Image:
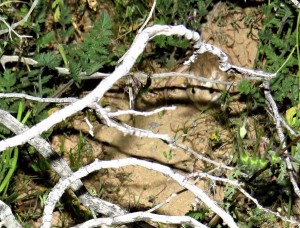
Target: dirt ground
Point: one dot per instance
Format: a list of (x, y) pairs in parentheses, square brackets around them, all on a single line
[(138, 188)]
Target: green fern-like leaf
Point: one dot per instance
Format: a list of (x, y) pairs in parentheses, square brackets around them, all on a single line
[(7, 81), (47, 60), (75, 70), (277, 39), (65, 15), (245, 87), (44, 40), (93, 53), (198, 215), (26, 80), (282, 177), (160, 41), (4, 104)]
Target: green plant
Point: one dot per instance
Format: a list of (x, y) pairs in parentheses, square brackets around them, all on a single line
[(199, 215), (94, 52), (279, 52), (252, 92), (276, 53), (244, 214), (43, 197), (56, 5), (215, 138), (254, 218), (168, 155), (252, 155), (9, 158), (79, 152), (50, 38), (189, 13)]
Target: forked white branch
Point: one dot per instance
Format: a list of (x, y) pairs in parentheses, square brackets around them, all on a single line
[(122, 69), (7, 218), (13, 26), (141, 216), (271, 104), (61, 167), (61, 186), (236, 184)]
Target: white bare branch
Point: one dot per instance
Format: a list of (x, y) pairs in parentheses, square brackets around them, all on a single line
[(200, 157), (236, 184), (249, 73), (61, 186), (166, 201), (137, 113), (10, 29), (149, 17), (122, 69), (126, 129), (296, 3), (13, 26), (14, 58), (61, 167), (225, 66), (38, 99), (278, 123), (7, 218), (141, 216)]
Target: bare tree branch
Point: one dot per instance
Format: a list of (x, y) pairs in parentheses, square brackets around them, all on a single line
[(13, 26), (141, 216), (6, 216), (61, 186), (122, 69), (61, 167)]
